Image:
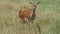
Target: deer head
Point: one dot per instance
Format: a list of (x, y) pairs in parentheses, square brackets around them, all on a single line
[(34, 5)]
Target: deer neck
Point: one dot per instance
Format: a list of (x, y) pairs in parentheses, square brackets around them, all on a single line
[(33, 10)]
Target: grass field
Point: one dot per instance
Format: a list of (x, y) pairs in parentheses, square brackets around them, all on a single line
[(47, 19)]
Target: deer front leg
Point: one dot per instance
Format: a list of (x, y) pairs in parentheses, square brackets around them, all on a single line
[(20, 20)]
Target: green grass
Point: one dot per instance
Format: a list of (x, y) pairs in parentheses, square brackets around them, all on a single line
[(47, 19)]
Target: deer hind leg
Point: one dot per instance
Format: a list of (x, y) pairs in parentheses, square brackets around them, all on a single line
[(26, 19), (20, 20)]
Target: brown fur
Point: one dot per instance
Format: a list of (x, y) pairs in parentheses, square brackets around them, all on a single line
[(25, 13)]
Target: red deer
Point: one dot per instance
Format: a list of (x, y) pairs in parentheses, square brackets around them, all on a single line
[(27, 14)]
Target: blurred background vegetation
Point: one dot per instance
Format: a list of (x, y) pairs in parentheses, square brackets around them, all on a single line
[(47, 19)]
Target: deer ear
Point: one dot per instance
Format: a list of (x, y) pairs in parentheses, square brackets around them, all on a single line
[(30, 2), (37, 3)]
